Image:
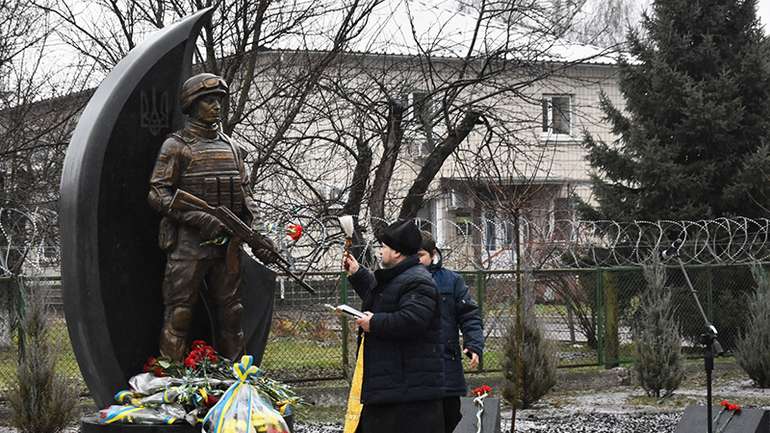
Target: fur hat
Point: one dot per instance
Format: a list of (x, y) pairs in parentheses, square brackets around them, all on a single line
[(402, 236)]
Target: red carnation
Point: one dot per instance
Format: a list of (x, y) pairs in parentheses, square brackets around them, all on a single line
[(294, 231), (192, 360), (211, 400), (150, 364), (724, 403), (483, 389), (200, 351)]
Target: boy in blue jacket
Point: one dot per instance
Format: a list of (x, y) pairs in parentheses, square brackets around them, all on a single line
[(458, 311)]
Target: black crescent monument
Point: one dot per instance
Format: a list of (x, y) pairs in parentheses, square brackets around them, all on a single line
[(112, 267)]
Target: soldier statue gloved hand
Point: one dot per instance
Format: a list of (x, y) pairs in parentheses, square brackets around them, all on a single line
[(210, 227), (267, 256)]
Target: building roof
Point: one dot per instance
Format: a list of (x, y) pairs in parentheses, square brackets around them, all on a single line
[(446, 28)]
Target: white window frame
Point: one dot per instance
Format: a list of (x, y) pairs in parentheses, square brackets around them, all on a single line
[(457, 200), (419, 147), (547, 133), (434, 105), (419, 144)]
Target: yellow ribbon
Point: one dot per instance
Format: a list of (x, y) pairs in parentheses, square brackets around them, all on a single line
[(242, 370), (353, 414), (245, 368), (123, 413), (123, 396)]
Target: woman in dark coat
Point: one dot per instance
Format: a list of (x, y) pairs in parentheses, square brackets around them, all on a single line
[(403, 376)]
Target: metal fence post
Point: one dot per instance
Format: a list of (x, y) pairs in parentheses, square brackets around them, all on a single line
[(344, 325), (480, 294), (709, 293), (611, 312), (6, 312), (599, 294)]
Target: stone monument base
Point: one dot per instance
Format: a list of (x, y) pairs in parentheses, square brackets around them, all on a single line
[(91, 425)]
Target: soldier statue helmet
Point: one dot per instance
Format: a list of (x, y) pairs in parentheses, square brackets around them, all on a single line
[(203, 161), (201, 85)]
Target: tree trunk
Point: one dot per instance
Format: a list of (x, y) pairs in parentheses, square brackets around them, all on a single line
[(414, 199), (356, 198), (391, 146)]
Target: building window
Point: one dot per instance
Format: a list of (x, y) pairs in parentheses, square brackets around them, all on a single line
[(509, 233), (421, 112), (458, 201), (490, 233), (426, 217), (557, 114), (421, 109), (463, 225), (421, 147)]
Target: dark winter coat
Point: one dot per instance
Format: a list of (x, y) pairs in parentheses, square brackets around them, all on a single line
[(402, 350), (458, 310)]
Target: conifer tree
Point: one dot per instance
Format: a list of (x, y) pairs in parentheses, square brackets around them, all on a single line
[(694, 134), (659, 360)]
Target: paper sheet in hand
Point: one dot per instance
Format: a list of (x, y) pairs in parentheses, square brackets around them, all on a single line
[(347, 309)]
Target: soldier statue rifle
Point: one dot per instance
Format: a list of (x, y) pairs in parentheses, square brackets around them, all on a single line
[(185, 201)]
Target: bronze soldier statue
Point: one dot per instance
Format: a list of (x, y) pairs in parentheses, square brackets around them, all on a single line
[(201, 160)]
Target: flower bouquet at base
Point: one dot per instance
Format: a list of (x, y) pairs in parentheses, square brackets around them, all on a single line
[(173, 392), (163, 414), (241, 409)]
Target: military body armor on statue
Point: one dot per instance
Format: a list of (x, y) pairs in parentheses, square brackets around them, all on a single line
[(203, 161)]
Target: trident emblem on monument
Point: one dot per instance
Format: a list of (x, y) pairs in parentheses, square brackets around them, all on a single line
[(154, 111)]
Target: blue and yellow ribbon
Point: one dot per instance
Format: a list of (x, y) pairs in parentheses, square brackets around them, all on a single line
[(119, 414), (242, 370), (123, 396), (245, 368)]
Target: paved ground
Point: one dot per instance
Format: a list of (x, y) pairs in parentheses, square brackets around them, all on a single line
[(582, 423), (585, 401)]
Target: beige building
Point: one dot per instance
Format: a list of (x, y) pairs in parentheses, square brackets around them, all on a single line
[(538, 105)]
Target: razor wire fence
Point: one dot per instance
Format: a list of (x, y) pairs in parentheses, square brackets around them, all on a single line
[(588, 315), (585, 279)]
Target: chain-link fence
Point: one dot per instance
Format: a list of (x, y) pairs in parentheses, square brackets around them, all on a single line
[(588, 315)]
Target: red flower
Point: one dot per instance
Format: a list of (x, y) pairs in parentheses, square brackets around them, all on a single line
[(483, 389), (294, 231), (200, 351), (211, 400), (191, 361), (731, 407), (150, 364)]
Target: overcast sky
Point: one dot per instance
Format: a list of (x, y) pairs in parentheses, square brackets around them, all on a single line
[(57, 52), (764, 14)]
